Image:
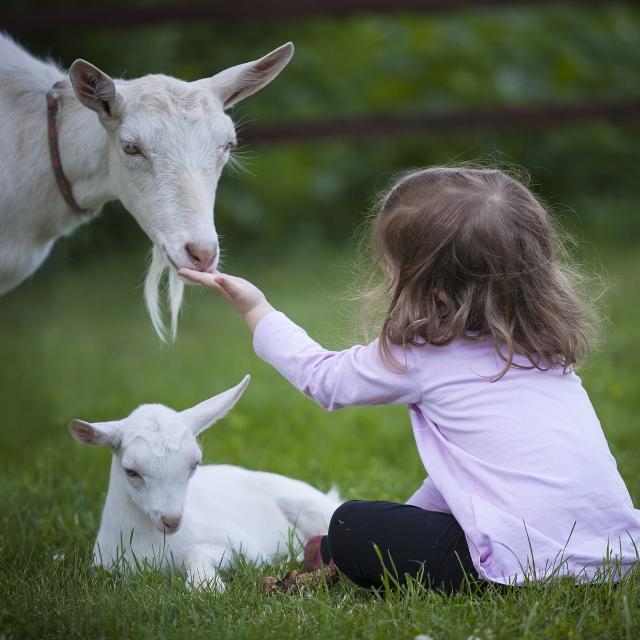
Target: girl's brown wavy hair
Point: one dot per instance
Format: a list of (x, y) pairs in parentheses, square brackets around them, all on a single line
[(471, 253)]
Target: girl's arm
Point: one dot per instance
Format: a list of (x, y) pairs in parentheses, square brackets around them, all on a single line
[(334, 379)]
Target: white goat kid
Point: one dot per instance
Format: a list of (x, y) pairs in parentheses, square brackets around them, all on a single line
[(156, 143), (164, 508)]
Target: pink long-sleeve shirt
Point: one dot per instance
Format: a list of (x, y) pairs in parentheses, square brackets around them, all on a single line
[(522, 462)]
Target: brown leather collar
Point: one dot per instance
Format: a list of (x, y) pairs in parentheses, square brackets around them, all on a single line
[(53, 104)]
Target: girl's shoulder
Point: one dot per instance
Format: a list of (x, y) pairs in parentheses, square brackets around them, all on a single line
[(474, 354), (460, 347)]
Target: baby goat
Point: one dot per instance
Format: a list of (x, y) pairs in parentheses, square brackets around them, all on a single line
[(164, 508)]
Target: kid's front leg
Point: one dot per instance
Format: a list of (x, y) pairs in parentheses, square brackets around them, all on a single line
[(202, 563)]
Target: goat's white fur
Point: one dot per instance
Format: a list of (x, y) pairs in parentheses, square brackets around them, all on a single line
[(181, 127), (222, 509), (158, 267)]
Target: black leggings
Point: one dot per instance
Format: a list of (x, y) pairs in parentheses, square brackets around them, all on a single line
[(412, 541)]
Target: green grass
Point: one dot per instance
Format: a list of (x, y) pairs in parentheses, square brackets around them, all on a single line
[(75, 342)]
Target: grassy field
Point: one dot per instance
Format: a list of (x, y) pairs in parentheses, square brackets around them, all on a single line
[(75, 342)]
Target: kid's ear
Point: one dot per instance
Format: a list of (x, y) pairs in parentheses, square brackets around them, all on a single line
[(203, 415), (107, 434), (95, 89), (236, 83)]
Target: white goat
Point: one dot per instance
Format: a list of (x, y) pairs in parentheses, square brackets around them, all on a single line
[(156, 143), (150, 515)]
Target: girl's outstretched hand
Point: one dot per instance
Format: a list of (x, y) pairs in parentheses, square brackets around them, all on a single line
[(243, 296)]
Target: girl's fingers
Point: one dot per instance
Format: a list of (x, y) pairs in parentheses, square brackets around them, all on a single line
[(225, 283), (219, 283), (219, 290), (207, 279), (231, 285)]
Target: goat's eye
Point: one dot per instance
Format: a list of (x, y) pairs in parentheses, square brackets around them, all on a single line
[(131, 149), (194, 466), (132, 473)]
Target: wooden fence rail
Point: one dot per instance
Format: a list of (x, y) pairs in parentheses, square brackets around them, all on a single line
[(544, 115), (120, 15)]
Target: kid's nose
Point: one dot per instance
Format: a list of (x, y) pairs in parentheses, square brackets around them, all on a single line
[(201, 256), (171, 523)]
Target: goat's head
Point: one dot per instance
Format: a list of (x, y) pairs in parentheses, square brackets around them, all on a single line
[(168, 141), (156, 452)]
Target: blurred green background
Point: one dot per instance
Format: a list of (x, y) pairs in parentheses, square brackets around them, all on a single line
[(75, 340), (314, 192)]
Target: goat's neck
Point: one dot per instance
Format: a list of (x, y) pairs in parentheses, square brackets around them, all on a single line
[(84, 153)]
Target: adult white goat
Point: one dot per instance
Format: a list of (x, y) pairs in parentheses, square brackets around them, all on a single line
[(156, 143), (149, 514)]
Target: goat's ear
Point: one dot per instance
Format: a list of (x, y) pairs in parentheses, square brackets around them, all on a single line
[(94, 88), (236, 83), (108, 434), (203, 415)]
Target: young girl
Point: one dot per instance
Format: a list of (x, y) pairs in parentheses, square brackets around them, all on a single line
[(480, 339)]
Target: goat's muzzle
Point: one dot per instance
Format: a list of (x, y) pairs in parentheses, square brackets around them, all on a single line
[(203, 257), (171, 523)]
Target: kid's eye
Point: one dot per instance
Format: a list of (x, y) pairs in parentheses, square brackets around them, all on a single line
[(132, 473), (131, 149)]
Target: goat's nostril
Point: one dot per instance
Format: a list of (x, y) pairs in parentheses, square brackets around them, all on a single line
[(202, 257), (171, 523)]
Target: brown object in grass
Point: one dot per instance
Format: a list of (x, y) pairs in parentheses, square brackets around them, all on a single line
[(293, 580)]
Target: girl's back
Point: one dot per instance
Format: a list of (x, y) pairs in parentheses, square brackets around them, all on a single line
[(521, 461)]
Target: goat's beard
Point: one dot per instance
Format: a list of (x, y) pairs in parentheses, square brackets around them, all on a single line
[(152, 294)]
